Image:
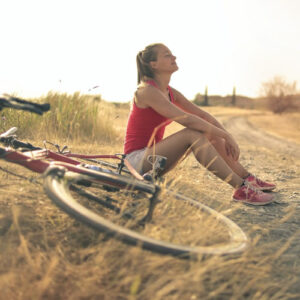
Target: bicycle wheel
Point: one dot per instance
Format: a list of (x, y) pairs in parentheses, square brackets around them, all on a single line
[(177, 227)]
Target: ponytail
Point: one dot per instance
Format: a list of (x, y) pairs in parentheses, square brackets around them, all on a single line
[(143, 60)]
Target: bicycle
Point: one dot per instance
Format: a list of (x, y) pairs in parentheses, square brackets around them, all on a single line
[(61, 174), (120, 210)]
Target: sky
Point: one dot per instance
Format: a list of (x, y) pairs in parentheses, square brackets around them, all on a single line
[(72, 45)]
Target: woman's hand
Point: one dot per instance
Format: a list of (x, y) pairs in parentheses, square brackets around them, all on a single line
[(232, 148)]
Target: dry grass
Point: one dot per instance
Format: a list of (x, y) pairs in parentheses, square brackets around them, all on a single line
[(285, 126), (71, 118), (47, 255)]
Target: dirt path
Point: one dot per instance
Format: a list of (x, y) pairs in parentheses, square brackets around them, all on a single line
[(245, 131), (279, 161)]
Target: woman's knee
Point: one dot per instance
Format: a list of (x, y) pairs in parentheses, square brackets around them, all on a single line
[(194, 136), (217, 141)]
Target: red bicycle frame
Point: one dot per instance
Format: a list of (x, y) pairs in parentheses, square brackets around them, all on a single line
[(39, 160)]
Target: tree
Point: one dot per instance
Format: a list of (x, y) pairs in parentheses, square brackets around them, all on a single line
[(279, 94), (233, 99), (205, 102)]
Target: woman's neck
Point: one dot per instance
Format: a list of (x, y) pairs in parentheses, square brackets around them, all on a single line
[(162, 82)]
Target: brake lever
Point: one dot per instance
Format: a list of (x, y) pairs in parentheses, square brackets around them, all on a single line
[(62, 151)]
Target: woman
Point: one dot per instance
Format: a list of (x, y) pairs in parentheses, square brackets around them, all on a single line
[(154, 106)]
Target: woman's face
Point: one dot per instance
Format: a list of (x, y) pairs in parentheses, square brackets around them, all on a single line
[(165, 62)]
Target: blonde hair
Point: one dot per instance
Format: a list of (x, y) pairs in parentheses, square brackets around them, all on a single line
[(143, 60)]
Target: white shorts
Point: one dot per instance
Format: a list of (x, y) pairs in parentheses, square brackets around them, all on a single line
[(136, 159)]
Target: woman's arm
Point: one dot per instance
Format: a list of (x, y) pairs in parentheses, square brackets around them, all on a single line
[(190, 107), (150, 96)]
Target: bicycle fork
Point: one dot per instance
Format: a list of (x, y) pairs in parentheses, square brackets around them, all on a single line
[(152, 203)]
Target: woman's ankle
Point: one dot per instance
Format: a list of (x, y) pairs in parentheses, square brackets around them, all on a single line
[(237, 183), (246, 176)]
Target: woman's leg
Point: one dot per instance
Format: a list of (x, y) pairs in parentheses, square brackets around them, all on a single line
[(219, 144), (177, 145)]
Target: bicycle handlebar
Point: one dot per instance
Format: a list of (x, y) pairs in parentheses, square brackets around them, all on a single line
[(9, 139), (18, 144), (7, 101), (12, 142)]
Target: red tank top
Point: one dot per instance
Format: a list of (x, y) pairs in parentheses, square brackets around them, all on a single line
[(141, 124)]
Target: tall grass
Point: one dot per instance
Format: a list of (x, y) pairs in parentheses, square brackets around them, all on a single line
[(71, 117)]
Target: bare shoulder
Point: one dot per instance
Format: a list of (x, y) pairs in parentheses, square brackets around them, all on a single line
[(145, 94), (143, 90)]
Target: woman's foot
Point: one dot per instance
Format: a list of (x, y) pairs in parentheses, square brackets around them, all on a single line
[(259, 184), (250, 195)]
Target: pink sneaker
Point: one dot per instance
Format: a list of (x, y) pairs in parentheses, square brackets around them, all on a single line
[(259, 184), (250, 195)]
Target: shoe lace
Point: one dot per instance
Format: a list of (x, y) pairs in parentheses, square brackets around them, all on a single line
[(259, 181), (251, 188)]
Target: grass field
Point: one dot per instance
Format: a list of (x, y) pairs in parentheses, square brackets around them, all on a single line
[(47, 255)]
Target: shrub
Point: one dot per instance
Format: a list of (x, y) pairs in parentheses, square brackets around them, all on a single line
[(280, 94), (72, 117)]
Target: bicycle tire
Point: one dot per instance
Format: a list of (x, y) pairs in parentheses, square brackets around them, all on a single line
[(57, 183)]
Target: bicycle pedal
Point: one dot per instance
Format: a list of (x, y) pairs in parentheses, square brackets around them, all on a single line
[(148, 177)]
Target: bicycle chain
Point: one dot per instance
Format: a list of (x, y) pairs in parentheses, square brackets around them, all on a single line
[(32, 180)]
